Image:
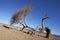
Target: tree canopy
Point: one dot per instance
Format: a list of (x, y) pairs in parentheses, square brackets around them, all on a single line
[(20, 14)]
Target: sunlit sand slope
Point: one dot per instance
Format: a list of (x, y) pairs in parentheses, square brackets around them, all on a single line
[(13, 33)]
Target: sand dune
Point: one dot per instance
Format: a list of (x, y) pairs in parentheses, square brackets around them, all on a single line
[(13, 33)]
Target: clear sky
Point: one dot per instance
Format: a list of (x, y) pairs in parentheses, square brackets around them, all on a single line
[(51, 7)]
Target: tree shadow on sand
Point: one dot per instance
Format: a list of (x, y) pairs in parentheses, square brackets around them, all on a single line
[(6, 26)]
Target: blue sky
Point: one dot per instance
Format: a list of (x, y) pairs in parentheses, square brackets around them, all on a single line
[(51, 7)]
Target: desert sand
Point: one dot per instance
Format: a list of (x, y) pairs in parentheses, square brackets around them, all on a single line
[(14, 33)]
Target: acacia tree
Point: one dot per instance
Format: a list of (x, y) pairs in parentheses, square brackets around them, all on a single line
[(20, 15)]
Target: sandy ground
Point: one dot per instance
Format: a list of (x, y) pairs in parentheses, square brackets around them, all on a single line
[(14, 34)]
